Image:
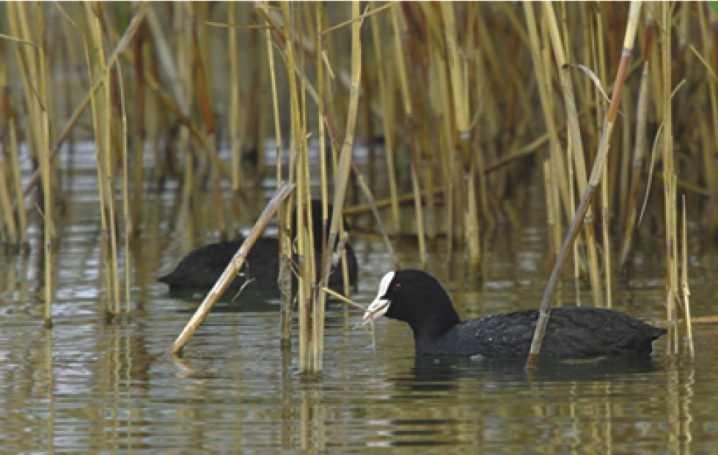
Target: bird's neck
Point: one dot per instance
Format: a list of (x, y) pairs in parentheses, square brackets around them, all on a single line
[(431, 328)]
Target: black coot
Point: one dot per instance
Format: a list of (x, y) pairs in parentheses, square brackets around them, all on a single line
[(418, 299), (200, 268)]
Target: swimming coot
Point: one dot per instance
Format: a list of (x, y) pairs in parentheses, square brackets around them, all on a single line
[(418, 299), (200, 269)]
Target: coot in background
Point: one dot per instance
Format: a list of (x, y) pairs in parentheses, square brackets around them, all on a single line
[(417, 298), (200, 268)]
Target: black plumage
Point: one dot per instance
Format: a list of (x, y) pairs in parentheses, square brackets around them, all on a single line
[(418, 299), (200, 268)]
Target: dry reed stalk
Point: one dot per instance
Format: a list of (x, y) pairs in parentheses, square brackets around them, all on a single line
[(6, 206), (235, 139), (17, 182), (405, 198), (399, 59), (77, 113), (6, 178), (553, 172), (458, 71), (685, 288), (669, 190), (201, 77), (297, 147), (476, 44), (102, 123), (125, 188), (341, 177), (638, 152), (183, 87), (576, 146), (710, 133), (140, 132), (596, 173), (34, 72), (377, 218), (607, 179), (387, 102), (447, 140), (319, 301), (284, 278), (232, 269)]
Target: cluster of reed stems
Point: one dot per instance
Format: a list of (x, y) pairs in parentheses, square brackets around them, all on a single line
[(472, 100)]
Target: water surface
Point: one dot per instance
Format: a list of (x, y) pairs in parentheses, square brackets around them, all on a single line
[(88, 386)]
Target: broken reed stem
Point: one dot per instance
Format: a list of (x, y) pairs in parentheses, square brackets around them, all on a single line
[(345, 299), (596, 173), (232, 269)]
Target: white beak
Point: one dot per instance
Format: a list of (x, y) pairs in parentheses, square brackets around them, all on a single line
[(380, 305), (376, 310)]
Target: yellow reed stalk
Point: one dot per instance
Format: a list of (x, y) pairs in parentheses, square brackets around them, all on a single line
[(685, 288), (669, 191), (319, 302), (5, 205), (234, 102), (74, 118), (607, 179), (639, 152), (387, 101), (17, 182), (409, 112), (125, 189), (284, 278), (399, 59), (31, 58), (102, 106), (557, 167), (297, 156), (5, 168), (341, 177), (711, 174), (460, 95), (575, 141)]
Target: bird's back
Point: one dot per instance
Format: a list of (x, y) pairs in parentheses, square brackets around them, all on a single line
[(572, 333)]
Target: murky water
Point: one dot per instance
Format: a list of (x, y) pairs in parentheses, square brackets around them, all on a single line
[(86, 386)]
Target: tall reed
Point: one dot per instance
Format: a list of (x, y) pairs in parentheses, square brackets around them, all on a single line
[(30, 52)]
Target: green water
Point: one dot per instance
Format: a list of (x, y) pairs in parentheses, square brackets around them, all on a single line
[(86, 386)]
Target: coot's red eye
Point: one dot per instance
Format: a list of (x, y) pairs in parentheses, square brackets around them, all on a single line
[(397, 285)]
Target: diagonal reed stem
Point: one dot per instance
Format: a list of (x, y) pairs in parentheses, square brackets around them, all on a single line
[(596, 173)]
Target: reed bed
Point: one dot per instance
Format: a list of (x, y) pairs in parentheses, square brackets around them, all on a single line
[(476, 105)]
